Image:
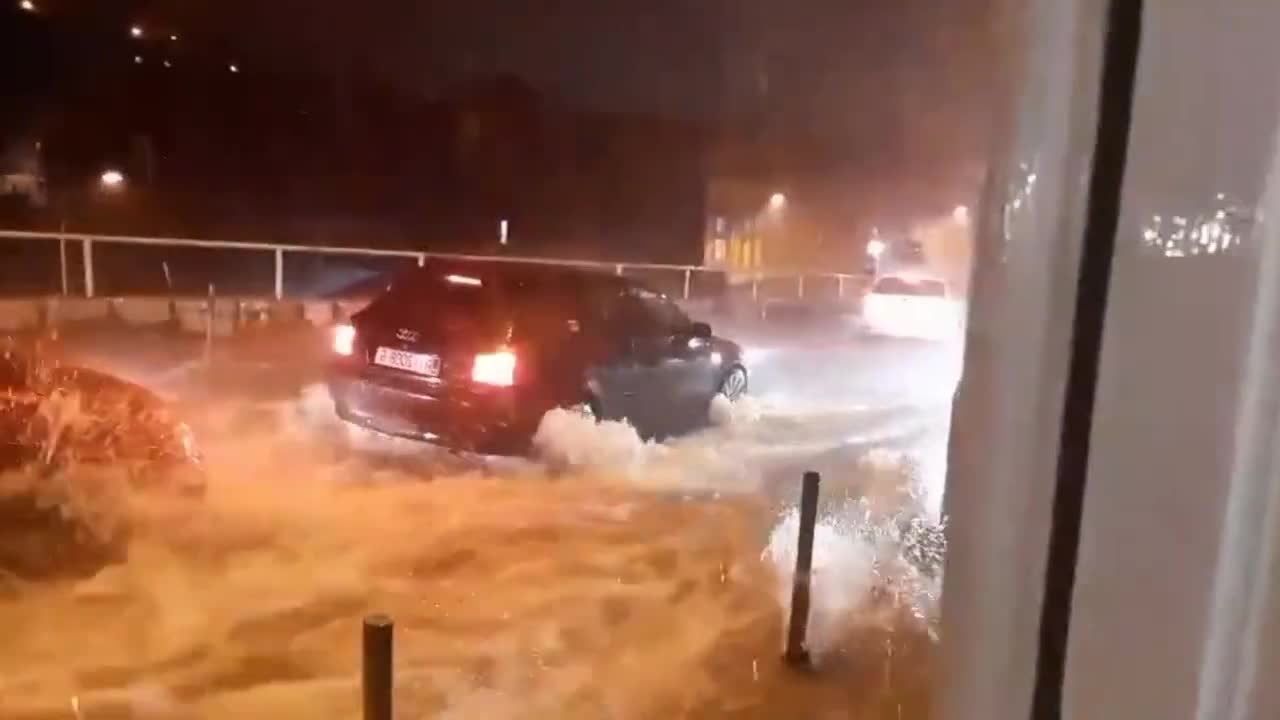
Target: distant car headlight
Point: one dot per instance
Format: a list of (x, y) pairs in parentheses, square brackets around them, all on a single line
[(907, 316), (344, 340)]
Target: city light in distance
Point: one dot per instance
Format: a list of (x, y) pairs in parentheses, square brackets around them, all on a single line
[(135, 31), (233, 68), (777, 201), (464, 280), (27, 6)]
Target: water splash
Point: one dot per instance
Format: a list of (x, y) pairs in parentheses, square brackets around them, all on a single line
[(570, 439), (874, 557)]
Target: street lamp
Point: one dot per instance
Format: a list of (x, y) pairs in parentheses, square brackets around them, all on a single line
[(777, 201), (875, 249), (111, 180)]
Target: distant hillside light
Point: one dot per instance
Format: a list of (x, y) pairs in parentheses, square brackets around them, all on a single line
[(233, 68), (135, 31), (111, 179), (27, 6)]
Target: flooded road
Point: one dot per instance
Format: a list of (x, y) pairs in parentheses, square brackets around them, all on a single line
[(624, 580)]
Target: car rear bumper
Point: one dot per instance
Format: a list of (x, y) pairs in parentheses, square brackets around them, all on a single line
[(492, 421)]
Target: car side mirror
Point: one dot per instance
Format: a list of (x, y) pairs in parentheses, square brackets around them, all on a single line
[(700, 330)]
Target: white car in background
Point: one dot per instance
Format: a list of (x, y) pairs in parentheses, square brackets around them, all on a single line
[(912, 307)]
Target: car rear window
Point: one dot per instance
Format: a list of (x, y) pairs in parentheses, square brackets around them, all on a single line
[(904, 286), (484, 291), (442, 287)]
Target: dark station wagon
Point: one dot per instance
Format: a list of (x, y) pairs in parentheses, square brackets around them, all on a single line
[(471, 355)]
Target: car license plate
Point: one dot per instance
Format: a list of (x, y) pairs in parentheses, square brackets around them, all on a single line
[(403, 360)]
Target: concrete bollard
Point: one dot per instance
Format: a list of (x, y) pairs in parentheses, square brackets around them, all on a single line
[(797, 652), (376, 667)]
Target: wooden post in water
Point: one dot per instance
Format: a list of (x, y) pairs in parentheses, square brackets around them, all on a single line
[(376, 667)]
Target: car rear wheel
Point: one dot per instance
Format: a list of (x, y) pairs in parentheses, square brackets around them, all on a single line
[(734, 384)]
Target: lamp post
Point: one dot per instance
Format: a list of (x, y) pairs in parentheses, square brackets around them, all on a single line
[(777, 203), (875, 249)]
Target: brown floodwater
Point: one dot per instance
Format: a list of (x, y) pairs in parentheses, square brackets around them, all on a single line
[(622, 584)]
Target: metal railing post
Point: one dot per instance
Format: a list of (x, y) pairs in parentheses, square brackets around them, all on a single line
[(279, 273), (278, 252), (86, 251), (62, 257), (211, 309)]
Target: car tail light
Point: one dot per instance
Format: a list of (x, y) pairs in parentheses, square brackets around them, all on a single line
[(344, 339), (497, 368)]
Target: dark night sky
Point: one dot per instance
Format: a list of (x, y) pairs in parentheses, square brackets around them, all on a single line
[(812, 66), (880, 87)]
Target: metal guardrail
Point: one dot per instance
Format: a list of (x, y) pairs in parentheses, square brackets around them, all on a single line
[(88, 240)]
